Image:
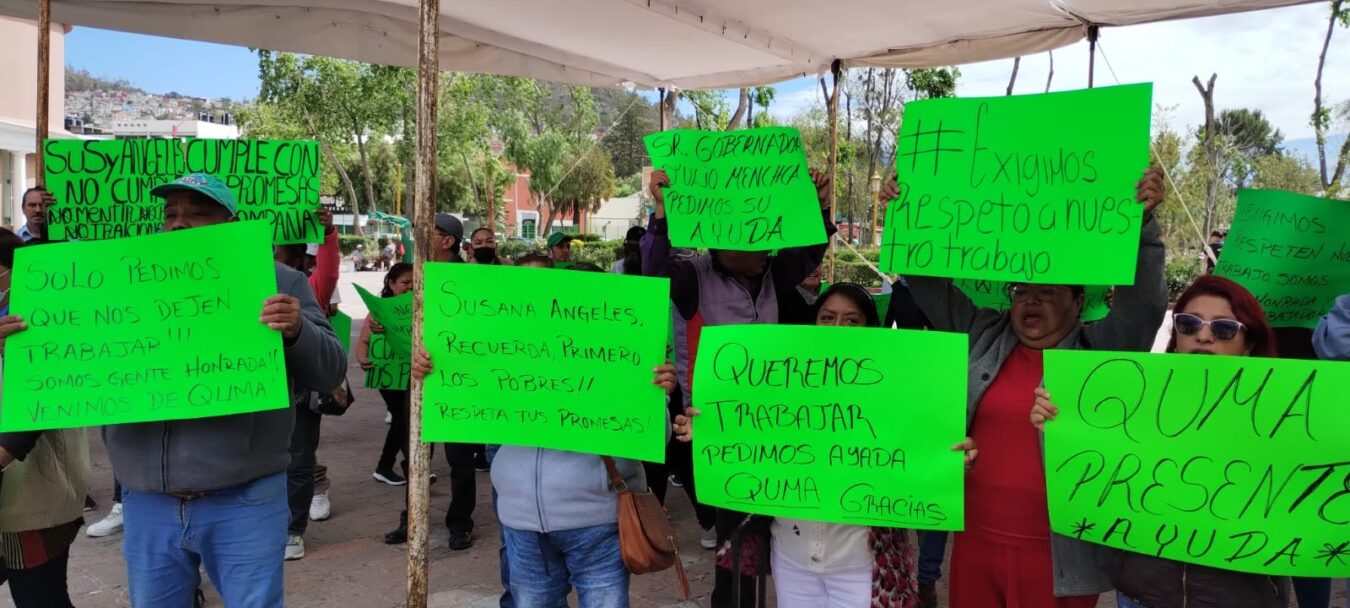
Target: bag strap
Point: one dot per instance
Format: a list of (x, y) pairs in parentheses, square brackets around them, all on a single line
[(616, 481)]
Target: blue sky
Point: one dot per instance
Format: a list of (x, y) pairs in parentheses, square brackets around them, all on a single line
[(1264, 60)]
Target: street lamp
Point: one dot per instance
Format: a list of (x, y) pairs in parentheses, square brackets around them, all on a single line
[(873, 184)]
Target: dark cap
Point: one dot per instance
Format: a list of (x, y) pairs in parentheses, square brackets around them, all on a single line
[(557, 239), (450, 225)]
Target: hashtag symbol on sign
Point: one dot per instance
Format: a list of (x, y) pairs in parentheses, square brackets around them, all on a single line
[(928, 142)]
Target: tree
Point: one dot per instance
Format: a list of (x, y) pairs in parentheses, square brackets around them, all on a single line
[(1209, 139), (1321, 117), (1250, 132), (588, 182), (762, 97), (624, 141)]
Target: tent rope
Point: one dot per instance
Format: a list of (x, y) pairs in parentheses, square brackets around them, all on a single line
[(582, 157)]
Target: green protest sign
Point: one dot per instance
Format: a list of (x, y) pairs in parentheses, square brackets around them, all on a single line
[(160, 327), (1033, 188), (102, 188), (342, 326), (1292, 251), (561, 360), (841, 432), (994, 294), (747, 190), (395, 314), (390, 370), (1237, 463)]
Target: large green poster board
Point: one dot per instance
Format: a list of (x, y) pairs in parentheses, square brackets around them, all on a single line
[(1232, 462), (1292, 251), (160, 327), (1032, 188), (837, 431), (102, 188), (391, 370), (395, 314), (994, 294), (561, 360), (342, 326), (746, 190)]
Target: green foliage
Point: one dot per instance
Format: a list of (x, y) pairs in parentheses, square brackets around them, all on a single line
[(1180, 273), (627, 185), (347, 243), (932, 83), (79, 80)]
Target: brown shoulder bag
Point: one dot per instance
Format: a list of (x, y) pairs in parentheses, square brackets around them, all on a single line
[(646, 538)]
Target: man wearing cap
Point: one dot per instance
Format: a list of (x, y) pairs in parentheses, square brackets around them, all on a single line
[(445, 247), (560, 249), (212, 491)]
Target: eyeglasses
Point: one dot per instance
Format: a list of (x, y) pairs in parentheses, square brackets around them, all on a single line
[(1223, 329), (1021, 292)]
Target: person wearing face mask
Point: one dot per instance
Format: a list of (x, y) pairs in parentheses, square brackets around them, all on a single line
[(1215, 316), (483, 247), (725, 287), (44, 476), (861, 566), (1007, 556), (227, 512)]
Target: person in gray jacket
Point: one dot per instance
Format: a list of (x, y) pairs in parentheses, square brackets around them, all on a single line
[(212, 491), (1007, 555), (1331, 340)]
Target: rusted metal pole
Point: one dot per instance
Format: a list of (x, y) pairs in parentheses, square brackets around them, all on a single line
[(834, 150), (424, 214), (44, 77)]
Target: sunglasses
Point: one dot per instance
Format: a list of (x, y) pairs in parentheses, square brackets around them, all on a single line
[(1223, 329)]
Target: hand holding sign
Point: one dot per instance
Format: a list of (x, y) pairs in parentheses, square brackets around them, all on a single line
[(282, 313), (10, 325)]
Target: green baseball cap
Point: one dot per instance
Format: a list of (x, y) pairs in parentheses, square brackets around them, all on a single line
[(558, 238), (207, 185)]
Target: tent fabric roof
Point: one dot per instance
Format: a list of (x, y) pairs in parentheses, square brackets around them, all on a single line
[(687, 44)]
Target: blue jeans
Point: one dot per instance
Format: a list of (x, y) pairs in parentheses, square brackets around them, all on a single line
[(932, 552), (504, 566), (1125, 602), (238, 534), (543, 564)]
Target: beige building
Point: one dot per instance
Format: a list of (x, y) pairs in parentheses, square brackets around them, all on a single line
[(18, 109)]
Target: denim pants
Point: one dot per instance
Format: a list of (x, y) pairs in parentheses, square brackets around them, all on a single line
[(543, 564), (932, 552), (238, 534), (1125, 602), (503, 566)]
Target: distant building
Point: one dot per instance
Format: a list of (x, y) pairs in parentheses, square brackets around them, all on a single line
[(615, 216), (172, 128)]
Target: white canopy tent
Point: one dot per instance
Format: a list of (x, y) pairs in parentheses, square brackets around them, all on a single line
[(686, 44)]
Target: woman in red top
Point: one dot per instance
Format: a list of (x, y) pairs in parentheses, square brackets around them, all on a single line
[(1007, 557)]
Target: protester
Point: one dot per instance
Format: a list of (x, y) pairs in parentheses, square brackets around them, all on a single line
[(561, 530), (796, 303), (483, 247), (227, 512), (445, 247), (398, 281), (560, 249), (586, 267), (1007, 556), (630, 256), (1331, 340), (36, 203), (819, 565), (320, 263), (44, 477), (1215, 316), (724, 287)]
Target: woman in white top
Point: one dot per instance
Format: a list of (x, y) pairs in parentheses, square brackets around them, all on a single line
[(823, 565)]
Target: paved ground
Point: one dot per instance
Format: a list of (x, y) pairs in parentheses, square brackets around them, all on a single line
[(347, 564)]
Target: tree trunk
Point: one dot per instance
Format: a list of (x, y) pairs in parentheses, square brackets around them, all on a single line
[(1017, 62), (365, 169), (491, 189), (742, 101), (1211, 152), (473, 183), (1320, 119), (342, 174), (576, 215)]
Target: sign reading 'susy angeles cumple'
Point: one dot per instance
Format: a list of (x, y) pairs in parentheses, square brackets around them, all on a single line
[(747, 190), (1238, 463), (161, 327), (1292, 251), (102, 187), (838, 432), (1031, 188), (562, 359)]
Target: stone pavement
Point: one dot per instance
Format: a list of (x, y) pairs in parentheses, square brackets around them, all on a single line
[(347, 563)]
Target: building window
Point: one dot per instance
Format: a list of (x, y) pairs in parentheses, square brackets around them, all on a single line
[(527, 229)]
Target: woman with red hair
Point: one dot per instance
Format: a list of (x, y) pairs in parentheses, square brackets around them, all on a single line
[(1215, 316)]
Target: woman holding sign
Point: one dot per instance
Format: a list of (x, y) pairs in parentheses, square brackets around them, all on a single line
[(1215, 316), (397, 282), (1007, 556), (825, 565)]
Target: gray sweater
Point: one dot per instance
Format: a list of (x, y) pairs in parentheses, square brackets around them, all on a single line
[(213, 453), (543, 490), (1331, 340), (1131, 326)]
